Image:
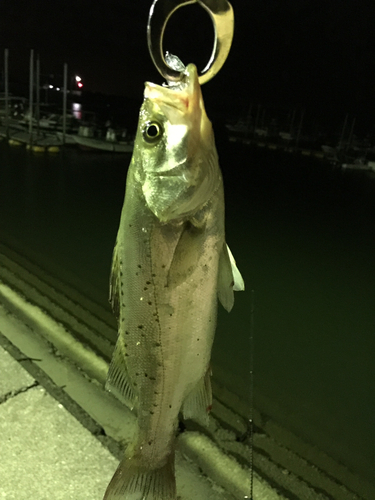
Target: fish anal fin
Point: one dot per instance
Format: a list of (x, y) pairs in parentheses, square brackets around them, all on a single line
[(134, 482), (118, 380), (198, 402), (229, 278)]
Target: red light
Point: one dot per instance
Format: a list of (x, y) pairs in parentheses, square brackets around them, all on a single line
[(80, 85)]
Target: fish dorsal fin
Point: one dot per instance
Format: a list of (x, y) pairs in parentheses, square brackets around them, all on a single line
[(118, 380), (187, 253), (229, 278)]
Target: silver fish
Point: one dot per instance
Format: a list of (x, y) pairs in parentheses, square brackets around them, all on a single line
[(170, 264)]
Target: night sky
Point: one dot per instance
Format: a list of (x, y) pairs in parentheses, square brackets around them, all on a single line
[(317, 54)]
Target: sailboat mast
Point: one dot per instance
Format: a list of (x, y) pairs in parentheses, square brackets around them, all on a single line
[(64, 99), (37, 95), (6, 89), (31, 84)]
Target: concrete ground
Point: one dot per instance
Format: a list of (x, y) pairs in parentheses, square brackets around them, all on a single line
[(46, 453), (52, 449)]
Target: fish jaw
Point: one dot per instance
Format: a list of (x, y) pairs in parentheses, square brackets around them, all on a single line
[(179, 170)]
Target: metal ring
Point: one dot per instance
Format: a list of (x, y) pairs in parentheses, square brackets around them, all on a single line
[(222, 16)]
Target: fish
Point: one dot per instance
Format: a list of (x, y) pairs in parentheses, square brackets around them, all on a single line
[(170, 266)]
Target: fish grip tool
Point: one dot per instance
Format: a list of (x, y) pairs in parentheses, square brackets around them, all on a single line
[(221, 13)]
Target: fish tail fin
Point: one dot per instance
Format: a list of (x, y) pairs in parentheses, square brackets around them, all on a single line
[(132, 482)]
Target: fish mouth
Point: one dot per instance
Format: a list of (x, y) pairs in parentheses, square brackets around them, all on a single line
[(183, 97)]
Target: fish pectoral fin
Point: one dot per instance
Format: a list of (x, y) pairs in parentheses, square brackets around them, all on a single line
[(239, 284), (186, 254), (118, 380), (198, 402), (229, 278), (114, 283)]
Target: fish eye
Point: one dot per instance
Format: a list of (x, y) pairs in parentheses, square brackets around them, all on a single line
[(152, 132)]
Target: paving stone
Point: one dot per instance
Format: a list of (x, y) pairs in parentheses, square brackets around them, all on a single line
[(46, 454)]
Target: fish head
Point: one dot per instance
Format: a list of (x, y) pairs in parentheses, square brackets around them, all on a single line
[(174, 151)]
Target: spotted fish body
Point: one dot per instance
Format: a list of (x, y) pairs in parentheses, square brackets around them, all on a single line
[(170, 265)]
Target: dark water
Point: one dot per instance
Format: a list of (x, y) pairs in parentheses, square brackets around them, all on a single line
[(303, 236)]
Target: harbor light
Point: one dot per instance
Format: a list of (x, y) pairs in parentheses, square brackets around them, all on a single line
[(78, 78)]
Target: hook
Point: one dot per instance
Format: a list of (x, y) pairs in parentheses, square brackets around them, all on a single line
[(221, 13)]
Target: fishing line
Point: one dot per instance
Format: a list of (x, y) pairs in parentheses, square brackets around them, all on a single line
[(251, 419)]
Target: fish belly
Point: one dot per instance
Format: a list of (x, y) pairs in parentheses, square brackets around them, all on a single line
[(166, 325)]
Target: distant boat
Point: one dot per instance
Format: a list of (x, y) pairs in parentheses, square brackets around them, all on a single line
[(360, 164), (16, 106), (110, 143)]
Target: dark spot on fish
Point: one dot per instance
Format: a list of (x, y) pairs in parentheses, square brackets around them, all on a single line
[(198, 354), (121, 262), (130, 225), (146, 375), (123, 305), (137, 374), (148, 282), (151, 412), (149, 303), (136, 274), (140, 327), (155, 405), (170, 406), (170, 314), (153, 275), (139, 265), (156, 392), (160, 364), (123, 319), (197, 339), (145, 288), (122, 293), (209, 408), (135, 384), (152, 378), (157, 320), (150, 443), (155, 314), (232, 283), (163, 266), (121, 275), (125, 345), (126, 332), (157, 344), (126, 354)]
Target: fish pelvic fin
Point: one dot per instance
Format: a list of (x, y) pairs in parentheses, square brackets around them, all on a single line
[(132, 482)]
